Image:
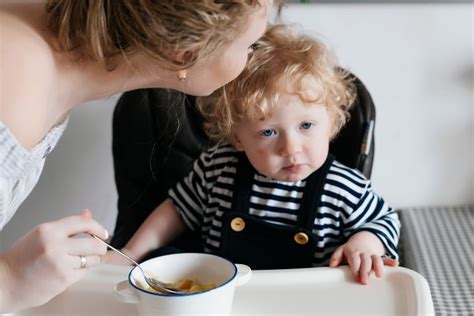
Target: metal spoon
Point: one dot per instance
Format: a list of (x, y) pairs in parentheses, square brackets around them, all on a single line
[(153, 283)]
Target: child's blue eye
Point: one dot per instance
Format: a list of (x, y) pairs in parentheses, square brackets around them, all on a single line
[(267, 132), (306, 125)]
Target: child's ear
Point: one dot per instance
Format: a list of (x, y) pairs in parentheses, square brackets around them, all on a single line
[(236, 142)]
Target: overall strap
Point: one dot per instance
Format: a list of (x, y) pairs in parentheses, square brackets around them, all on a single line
[(312, 194), (243, 181)]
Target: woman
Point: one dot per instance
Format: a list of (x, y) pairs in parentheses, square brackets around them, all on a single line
[(72, 52)]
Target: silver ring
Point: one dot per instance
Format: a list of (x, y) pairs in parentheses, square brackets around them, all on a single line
[(83, 262)]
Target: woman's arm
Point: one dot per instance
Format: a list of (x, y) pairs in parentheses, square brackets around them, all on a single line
[(162, 226), (46, 261)]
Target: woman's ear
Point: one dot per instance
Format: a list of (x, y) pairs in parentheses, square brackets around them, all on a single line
[(184, 58)]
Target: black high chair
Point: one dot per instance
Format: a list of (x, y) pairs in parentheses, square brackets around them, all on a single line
[(157, 134)]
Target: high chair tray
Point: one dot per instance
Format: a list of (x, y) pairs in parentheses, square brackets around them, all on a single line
[(312, 291)]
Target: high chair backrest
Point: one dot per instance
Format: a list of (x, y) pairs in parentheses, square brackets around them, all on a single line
[(157, 134), (354, 145)]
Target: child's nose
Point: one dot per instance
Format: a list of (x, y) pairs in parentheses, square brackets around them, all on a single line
[(290, 146)]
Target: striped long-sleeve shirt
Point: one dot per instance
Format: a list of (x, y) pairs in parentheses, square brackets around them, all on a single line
[(347, 205)]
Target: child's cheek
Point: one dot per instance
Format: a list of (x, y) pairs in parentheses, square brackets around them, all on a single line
[(263, 152)]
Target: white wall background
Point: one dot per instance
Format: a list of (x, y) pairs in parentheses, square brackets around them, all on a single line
[(416, 60)]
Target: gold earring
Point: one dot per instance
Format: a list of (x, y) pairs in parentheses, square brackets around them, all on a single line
[(182, 75)]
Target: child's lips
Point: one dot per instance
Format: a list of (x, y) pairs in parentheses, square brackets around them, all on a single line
[(295, 168)]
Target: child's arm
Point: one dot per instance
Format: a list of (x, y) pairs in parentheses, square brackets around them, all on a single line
[(162, 226), (374, 230), (182, 210)]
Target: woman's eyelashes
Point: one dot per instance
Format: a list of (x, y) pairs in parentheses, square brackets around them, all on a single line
[(253, 47)]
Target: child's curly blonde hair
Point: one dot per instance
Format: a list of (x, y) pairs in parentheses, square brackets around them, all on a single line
[(283, 62)]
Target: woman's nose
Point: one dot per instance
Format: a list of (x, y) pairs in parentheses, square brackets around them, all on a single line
[(290, 146)]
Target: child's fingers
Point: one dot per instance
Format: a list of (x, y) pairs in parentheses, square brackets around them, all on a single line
[(390, 262), (336, 257), (377, 265), (354, 262), (365, 267)]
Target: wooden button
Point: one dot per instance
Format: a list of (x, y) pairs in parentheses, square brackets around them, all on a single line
[(301, 238), (237, 224)]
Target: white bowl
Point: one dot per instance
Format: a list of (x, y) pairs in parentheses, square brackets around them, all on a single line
[(199, 267)]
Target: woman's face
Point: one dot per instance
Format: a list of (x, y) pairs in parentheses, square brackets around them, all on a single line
[(227, 63)]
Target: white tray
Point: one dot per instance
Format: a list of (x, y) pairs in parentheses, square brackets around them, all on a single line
[(313, 291)]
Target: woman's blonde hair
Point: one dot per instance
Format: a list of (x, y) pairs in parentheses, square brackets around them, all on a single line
[(283, 62), (105, 29)]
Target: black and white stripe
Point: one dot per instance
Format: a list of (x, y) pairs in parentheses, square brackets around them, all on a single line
[(348, 203)]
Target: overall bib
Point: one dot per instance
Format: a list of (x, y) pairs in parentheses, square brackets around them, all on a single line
[(250, 240)]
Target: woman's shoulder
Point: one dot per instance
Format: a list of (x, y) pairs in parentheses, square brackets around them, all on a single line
[(26, 52), (23, 26), (25, 41), (28, 72)]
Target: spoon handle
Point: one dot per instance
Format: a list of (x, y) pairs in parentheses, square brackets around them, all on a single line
[(116, 250), (154, 284)]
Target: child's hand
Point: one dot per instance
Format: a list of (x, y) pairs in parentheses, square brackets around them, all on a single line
[(111, 257), (363, 253)]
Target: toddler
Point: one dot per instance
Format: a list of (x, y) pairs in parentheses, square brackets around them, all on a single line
[(270, 195)]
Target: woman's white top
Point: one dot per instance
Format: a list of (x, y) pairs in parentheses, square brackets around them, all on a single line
[(20, 169)]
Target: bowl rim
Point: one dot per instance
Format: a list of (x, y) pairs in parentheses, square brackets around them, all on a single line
[(185, 294)]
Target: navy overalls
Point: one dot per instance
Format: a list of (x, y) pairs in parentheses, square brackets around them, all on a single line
[(250, 240)]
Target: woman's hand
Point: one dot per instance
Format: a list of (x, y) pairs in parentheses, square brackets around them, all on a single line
[(47, 260), (111, 257), (363, 252)]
